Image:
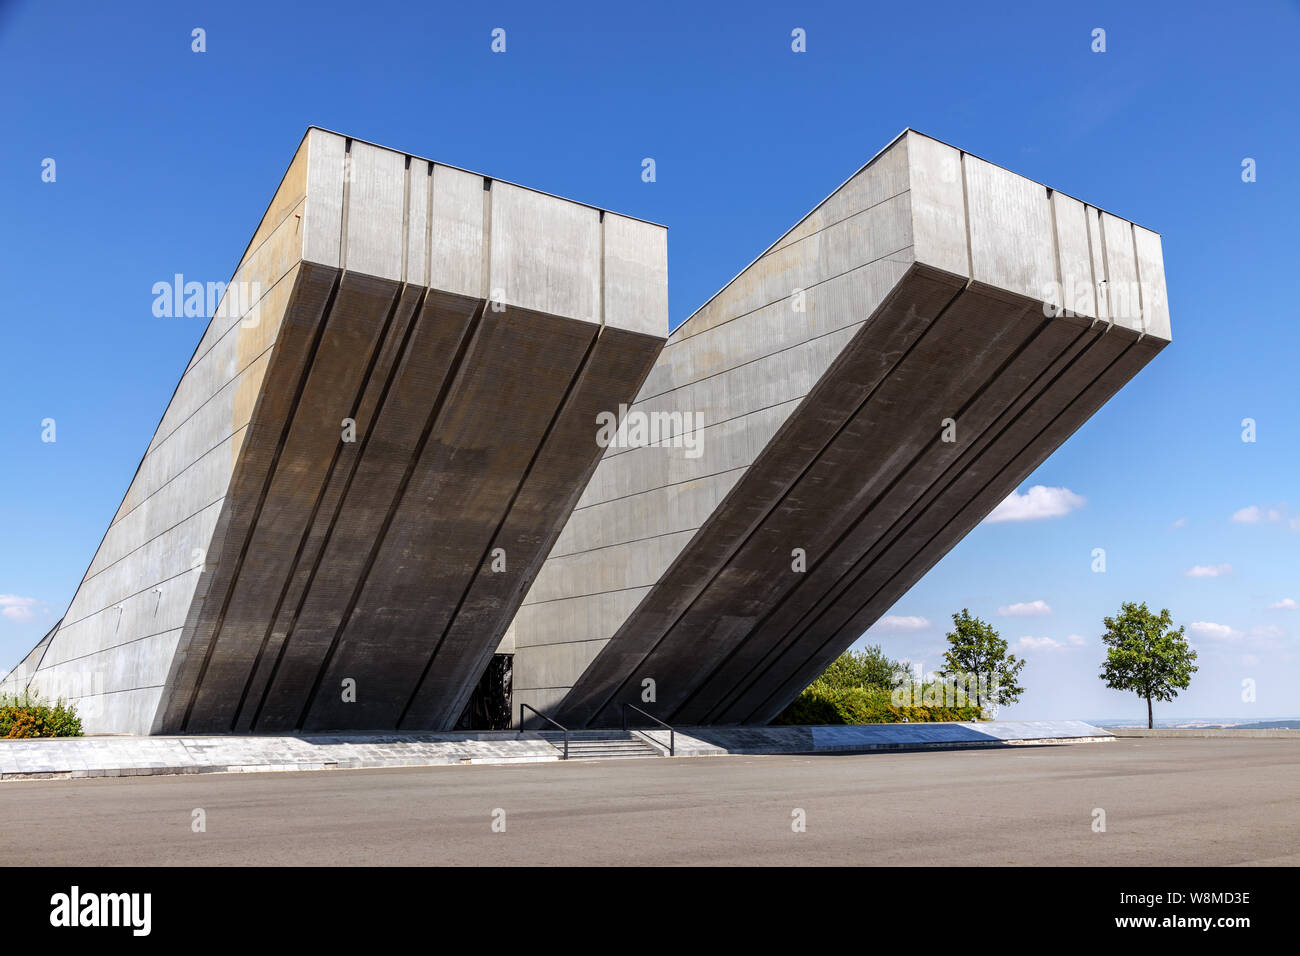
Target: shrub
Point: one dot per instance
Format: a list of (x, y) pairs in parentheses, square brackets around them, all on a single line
[(26, 715), (820, 704)]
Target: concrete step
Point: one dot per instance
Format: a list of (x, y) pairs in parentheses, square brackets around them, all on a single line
[(601, 744)]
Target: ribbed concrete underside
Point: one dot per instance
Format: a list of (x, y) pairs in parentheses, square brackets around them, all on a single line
[(861, 480), (371, 560)]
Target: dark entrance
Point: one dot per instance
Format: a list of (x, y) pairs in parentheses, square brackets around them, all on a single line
[(489, 704)]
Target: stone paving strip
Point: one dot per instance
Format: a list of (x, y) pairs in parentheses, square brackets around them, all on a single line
[(138, 756)]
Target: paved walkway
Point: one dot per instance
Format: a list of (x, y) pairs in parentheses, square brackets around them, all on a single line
[(143, 756), (1166, 802)]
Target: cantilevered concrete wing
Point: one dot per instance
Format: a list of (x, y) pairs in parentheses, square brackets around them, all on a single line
[(867, 391), (368, 457)]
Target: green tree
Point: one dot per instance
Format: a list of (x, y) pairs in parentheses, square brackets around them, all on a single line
[(1144, 655), (979, 657), (868, 667)]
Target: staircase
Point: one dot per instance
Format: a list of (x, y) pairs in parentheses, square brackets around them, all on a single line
[(601, 744)]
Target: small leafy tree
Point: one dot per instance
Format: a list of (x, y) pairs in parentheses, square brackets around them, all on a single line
[(979, 657), (1144, 655), (868, 667)]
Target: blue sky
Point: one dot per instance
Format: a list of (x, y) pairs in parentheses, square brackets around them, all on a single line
[(166, 159)]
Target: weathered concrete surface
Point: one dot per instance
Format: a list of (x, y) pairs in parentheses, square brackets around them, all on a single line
[(869, 388), (410, 387)]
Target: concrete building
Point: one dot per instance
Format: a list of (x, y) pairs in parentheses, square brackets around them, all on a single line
[(800, 452), (367, 458), (856, 400)]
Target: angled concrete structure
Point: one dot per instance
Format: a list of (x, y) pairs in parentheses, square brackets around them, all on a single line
[(403, 444), (369, 455), (859, 398)]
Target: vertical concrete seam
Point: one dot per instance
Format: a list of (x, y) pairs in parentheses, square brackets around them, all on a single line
[(406, 222), (600, 280), (1137, 271), (485, 265), (1105, 267), (428, 228), (347, 198), (1092, 264), (965, 211), (1056, 253)]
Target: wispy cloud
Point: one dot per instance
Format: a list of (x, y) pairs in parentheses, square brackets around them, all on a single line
[(1025, 609), (1273, 514), (17, 608), (1038, 644), (1213, 632), (1286, 604), (1038, 502), (1077, 640), (1180, 523), (897, 623), (1208, 570)]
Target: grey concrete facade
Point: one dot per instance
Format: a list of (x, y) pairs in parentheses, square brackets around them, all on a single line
[(856, 401), (368, 457)]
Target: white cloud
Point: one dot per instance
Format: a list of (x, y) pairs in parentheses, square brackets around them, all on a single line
[(1267, 632), (1275, 514), (893, 622), (1180, 523), (1213, 632), (1286, 604), (1030, 609), (1038, 644), (1078, 640), (1208, 570), (17, 608), (1038, 502)]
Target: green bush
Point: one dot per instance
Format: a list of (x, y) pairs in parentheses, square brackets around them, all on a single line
[(820, 704), (26, 715)]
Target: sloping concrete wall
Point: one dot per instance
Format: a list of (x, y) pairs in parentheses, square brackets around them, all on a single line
[(331, 486), (931, 287)]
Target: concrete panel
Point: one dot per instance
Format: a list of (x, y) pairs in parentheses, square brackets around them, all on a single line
[(457, 232), (322, 219), (545, 254), (938, 204), (635, 281), (376, 211), (1151, 278)]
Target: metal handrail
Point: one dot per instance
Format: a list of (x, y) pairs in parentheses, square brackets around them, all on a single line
[(523, 707), (672, 734)]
